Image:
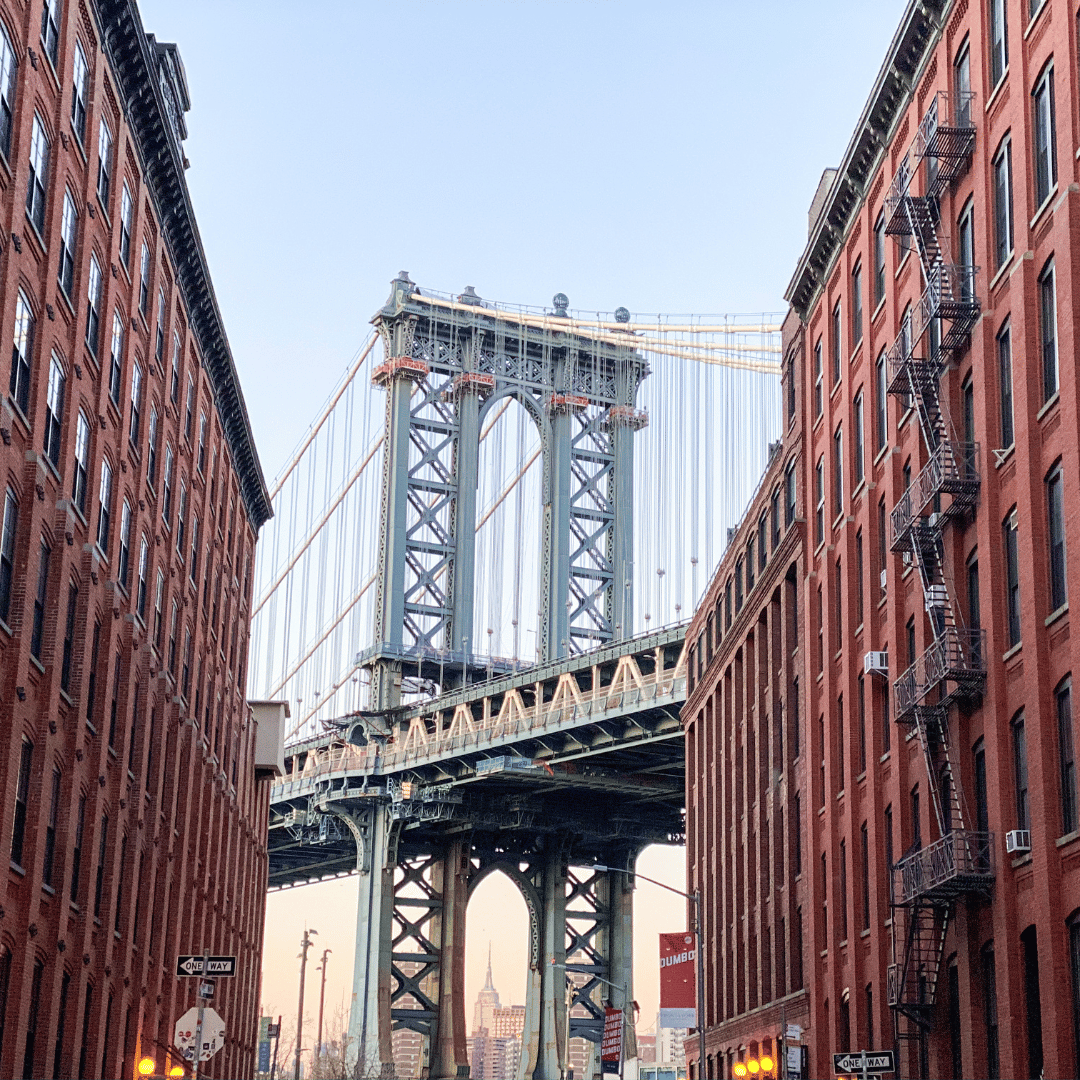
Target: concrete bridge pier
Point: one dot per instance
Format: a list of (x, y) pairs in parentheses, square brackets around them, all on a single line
[(450, 878), (369, 1016)]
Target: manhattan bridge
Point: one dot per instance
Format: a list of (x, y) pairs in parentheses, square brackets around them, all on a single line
[(473, 596)]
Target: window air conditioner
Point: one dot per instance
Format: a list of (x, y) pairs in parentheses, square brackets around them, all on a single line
[(936, 519), (884, 579), (876, 663), (1018, 842)]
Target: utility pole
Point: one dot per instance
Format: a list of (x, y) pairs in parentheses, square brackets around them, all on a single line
[(322, 998), (305, 944)]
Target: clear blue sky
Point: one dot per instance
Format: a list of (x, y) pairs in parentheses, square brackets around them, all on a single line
[(656, 155)]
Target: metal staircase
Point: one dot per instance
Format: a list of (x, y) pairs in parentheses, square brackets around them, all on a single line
[(928, 880)]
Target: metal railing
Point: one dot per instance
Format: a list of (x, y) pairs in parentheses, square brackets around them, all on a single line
[(961, 861), (953, 469), (957, 655)]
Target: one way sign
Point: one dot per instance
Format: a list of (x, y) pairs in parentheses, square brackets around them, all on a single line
[(217, 966), (864, 1061)]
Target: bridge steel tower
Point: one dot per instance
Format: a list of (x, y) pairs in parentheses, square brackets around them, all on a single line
[(447, 364)]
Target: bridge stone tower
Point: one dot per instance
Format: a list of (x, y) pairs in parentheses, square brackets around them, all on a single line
[(447, 364)]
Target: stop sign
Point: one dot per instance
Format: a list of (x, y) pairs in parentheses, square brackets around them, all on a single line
[(213, 1034)]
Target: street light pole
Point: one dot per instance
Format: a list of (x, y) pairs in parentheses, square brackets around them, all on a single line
[(305, 944), (699, 994), (322, 998), (627, 1004)]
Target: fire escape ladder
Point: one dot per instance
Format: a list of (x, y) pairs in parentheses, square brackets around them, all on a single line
[(929, 879)]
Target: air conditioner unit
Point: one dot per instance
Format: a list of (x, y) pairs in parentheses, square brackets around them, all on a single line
[(1018, 842), (876, 663), (884, 579), (936, 520), (907, 558)]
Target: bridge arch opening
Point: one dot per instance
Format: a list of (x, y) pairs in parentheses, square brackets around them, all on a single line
[(497, 947), (509, 524)]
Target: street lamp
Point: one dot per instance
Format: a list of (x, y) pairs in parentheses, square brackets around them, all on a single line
[(699, 990), (305, 944), (322, 998), (607, 982)]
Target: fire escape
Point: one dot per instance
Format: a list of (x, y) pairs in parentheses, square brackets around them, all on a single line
[(929, 879)]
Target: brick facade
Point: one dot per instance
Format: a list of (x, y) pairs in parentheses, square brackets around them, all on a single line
[(131, 809), (1005, 999)]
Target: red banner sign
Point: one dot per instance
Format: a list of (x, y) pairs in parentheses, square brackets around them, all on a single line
[(611, 1047), (678, 960)]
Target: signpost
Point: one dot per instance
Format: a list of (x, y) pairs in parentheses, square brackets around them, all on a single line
[(220, 967), (612, 1045), (864, 1063)]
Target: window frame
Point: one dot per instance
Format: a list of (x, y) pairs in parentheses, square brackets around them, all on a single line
[(37, 181), (1044, 136), (1002, 193)]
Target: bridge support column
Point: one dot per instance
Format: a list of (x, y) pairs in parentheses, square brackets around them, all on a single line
[(466, 472), (543, 1044), (369, 1016), (620, 951), (621, 493), (449, 1054), (555, 587)]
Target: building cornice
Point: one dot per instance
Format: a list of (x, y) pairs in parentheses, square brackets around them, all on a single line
[(919, 31), (134, 65)]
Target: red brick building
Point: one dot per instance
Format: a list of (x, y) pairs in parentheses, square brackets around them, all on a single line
[(132, 813), (932, 389)]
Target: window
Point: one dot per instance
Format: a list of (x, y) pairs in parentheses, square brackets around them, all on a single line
[(193, 562), (181, 515), (69, 639), (888, 839), (1070, 819), (7, 104), (775, 519), (1074, 969), (202, 452), (124, 561), (999, 42), (856, 304), (61, 1014), (7, 552), (21, 350), (144, 279), (910, 632), (880, 403), (116, 353), (136, 401), (159, 333), (866, 877), (1020, 772), (883, 546), (37, 631), (879, 259), (798, 834), (1044, 142), (974, 612), (750, 564), (22, 798), (1048, 330), (151, 447), (1003, 215), (140, 596), (1032, 1004), (859, 440), (819, 397), (789, 485), (99, 883), (174, 385), (955, 1021), (104, 510), (189, 407), (1055, 512), (166, 489), (966, 253), (125, 225), (82, 462), (763, 541), (1012, 578), (962, 85), (990, 1011), (838, 472), (39, 166), (819, 501), (104, 177), (50, 29), (93, 307), (49, 860), (172, 639), (790, 390), (843, 897), (982, 800), (859, 578), (76, 854), (841, 770), (837, 348), (54, 410), (967, 409), (185, 668), (821, 662), (69, 225), (1004, 346), (916, 818), (738, 584), (158, 595)]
